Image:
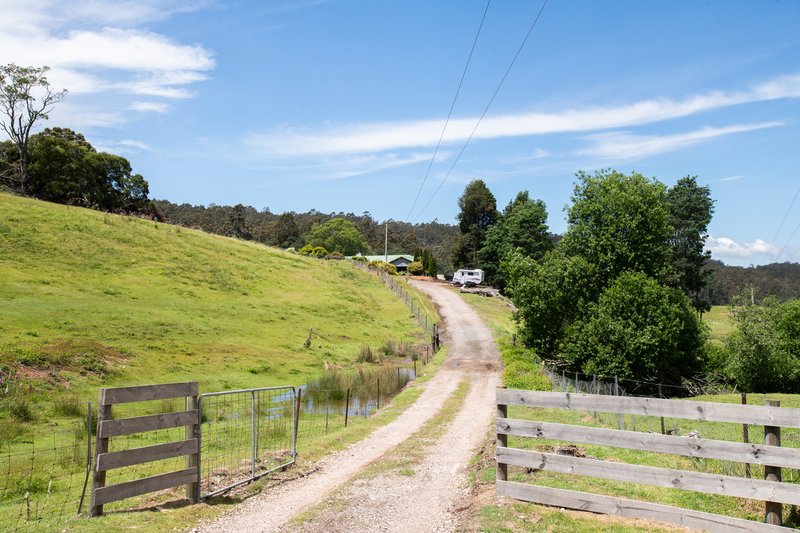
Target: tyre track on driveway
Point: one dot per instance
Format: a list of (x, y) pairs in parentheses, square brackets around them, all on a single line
[(422, 502)]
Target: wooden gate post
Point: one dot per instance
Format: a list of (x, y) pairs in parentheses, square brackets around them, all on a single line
[(100, 446), (502, 440), (193, 459), (772, 437)]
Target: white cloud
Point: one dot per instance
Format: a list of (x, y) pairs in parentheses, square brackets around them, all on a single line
[(95, 46), (125, 146), (731, 178), (376, 137), (624, 145), (723, 247), (156, 107)]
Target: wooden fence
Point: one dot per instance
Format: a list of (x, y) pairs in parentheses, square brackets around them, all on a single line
[(770, 490), (107, 427)]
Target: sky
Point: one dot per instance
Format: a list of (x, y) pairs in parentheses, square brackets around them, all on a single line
[(293, 105)]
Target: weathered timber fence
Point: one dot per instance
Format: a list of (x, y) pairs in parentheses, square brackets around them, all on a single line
[(771, 454), (107, 428)]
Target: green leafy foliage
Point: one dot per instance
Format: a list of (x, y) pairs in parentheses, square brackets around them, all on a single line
[(690, 210), (478, 212), (549, 294), (764, 351), (522, 227), (337, 235), (638, 329), (619, 223), (416, 268)]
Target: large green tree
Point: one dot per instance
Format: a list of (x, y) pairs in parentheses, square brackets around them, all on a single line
[(638, 329), (25, 99), (337, 235), (620, 223), (522, 227), (549, 295), (65, 168), (478, 212), (690, 209)]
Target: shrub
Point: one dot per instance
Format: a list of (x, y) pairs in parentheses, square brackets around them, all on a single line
[(762, 356), (393, 348), (319, 252), (638, 329), (20, 409), (360, 259), (384, 266), (335, 255), (306, 250), (416, 268)]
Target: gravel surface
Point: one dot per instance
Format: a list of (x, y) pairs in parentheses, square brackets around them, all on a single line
[(424, 501)]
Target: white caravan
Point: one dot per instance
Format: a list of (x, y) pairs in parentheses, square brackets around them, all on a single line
[(468, 277)]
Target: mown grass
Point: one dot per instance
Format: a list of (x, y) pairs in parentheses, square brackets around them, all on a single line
[(720, 323), (519, 516), (91, 300)]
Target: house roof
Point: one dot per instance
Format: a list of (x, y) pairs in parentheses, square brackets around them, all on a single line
[(390, 258)]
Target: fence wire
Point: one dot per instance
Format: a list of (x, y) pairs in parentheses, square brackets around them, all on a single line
[(43, 470)]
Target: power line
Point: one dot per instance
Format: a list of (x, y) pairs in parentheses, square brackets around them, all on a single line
[(786, 216), (450, 113), (486, 109)]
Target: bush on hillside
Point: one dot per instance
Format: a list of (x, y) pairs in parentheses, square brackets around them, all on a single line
[(306, 250), (384, 266), (319, 252)]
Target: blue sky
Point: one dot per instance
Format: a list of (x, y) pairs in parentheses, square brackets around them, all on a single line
[(338, 105)]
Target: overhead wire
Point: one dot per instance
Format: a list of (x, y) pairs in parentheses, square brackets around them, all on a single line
[(450, 113), (486, 109), (786, 216)]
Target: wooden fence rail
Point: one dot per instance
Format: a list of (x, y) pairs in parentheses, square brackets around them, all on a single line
[(771, 490), (107, 428)]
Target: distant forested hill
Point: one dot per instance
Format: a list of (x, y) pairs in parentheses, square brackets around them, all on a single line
[(778, 279), (287, 229)]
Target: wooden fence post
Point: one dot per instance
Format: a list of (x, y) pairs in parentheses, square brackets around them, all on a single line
[(297, 413), (746, 437), (502, 440), (379, 393), (772, 437), (192, 432), (346, 407), (100, 446)]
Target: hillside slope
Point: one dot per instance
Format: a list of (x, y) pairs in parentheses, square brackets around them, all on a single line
[(89, 298)]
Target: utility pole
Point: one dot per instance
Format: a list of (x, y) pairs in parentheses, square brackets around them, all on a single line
[(386, 243)]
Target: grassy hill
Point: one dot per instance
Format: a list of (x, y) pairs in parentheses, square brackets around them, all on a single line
[(89, 299)]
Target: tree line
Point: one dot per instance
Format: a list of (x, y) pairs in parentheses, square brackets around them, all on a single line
[(295, 229)]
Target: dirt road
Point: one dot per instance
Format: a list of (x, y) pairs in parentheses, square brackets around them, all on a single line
[(422, 501)]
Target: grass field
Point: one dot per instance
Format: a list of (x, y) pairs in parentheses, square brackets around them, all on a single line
[(89, 300)]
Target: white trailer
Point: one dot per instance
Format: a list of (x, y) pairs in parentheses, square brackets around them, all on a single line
[(468, 277)]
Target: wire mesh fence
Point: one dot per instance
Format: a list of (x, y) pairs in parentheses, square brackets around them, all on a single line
[(43, 470)]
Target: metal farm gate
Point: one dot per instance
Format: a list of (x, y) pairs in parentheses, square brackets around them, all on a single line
[(244, 435)]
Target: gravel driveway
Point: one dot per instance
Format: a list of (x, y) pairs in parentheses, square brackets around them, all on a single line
[(421, 502)]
